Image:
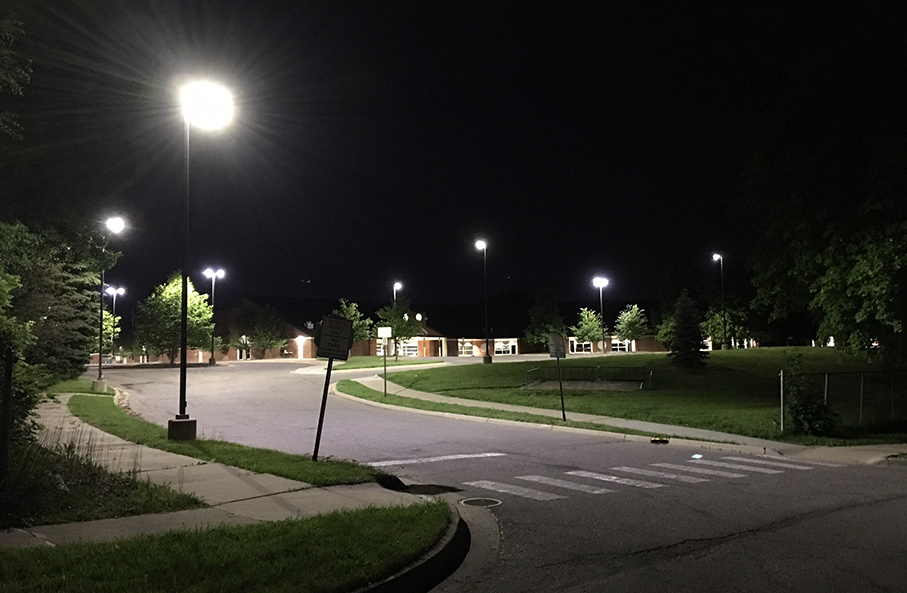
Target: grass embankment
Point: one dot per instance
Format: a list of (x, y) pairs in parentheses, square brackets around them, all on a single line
[(340, 551), (335, 552), (101, 412), (737, 392)]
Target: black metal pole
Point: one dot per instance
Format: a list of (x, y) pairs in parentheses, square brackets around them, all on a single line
[(324, 403), (723, 309), (485, 285), (184, 297), (601, 312), (101, 326)]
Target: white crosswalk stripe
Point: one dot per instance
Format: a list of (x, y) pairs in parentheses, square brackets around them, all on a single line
[(770, 463), (699, 470), (810, 462), (616, 479), (761, 470), (565, 484), (434, 459), (515, 490), (654, 474)]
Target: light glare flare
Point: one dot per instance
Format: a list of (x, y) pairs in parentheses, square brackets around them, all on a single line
[(599, 282), (206, 105)]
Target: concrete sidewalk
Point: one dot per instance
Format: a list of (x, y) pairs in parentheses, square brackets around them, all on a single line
[(678, 435), (236, 496)]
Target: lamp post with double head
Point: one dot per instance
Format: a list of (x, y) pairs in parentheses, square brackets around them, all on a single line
[(114, 291), (600, 282), (114, 225), (207, 106), (213, 275)]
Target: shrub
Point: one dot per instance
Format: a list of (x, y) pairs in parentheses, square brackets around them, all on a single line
[(806, 410)]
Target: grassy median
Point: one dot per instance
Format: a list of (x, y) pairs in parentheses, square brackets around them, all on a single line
[(737, 392)]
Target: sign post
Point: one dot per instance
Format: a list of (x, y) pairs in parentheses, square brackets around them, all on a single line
[(385, 332), (558, 350), (333, 339)]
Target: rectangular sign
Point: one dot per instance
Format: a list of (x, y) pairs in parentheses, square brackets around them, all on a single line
[(335, 338), (556, 346), (385, 332)]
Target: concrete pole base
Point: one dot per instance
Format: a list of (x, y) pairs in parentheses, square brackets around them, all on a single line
[(486, 359), (181, 429), (99, 386)]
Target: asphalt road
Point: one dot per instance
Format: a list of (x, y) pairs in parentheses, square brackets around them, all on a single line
[(578, 512)]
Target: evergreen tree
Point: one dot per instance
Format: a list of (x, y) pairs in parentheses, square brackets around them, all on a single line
[(544, 319), (685, 340)]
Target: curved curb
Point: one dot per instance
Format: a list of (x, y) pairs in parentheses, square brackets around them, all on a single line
[(438, 563)]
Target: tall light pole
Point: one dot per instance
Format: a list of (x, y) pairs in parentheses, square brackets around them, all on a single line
[(113, 291), (213, 275), (483, 246), (397, 286), (600, 282), (720, 259), (115, 225), (207, 106)]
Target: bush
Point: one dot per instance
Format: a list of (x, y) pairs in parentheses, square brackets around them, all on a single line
[(806, 411)]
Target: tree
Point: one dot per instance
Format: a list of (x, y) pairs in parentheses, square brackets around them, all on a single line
[(827, 182), (737, 325), (267, 330), (362, 326), (402, 322), (157, 319), (111, 331), (589, 328), (631, 323), (544, 319), (14, 72), (682, 334)]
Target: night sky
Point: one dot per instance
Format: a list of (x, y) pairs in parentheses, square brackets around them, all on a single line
[(376, 141)]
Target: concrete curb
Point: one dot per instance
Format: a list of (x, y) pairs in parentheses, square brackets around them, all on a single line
[(435, 565)]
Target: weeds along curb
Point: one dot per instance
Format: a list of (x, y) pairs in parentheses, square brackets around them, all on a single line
[(435, 565)]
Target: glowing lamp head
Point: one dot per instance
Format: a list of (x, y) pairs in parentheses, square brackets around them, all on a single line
[(206, 105), (716, 257), (599, 282), (398, 285), (111, 290), (209, 273), (115, 225), (481, 245)]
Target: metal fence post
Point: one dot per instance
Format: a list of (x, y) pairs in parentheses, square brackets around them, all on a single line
[(782, 400)]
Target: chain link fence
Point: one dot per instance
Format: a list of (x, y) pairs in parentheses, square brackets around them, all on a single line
[(642, 377), (867, 400)]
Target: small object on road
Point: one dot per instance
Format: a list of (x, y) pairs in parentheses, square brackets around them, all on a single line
[(659, 440), (697, 456)]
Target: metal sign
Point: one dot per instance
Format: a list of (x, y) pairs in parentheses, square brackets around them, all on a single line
[(334, 337), (556, 346), (385, 331)]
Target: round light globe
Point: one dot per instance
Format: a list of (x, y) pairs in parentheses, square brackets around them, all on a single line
[(115, 224), (481, 245), (716, 256), (206, 105)]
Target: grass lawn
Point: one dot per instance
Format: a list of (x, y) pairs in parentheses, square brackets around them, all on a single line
[(369, 362), (737, 391), (340, 551), (101, 412)]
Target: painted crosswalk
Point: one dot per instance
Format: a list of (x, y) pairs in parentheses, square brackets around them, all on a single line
[(695, 471)]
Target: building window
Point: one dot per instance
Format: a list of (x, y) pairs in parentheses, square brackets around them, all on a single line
[(577, 347), (466, 348), (620, 345), (504, 347)]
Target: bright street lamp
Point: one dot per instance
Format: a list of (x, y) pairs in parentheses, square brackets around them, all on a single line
[(600, 282), (114, 291), (720, 259), (115, 225), (483, 247), (213, 275), (207, 106), (397, 286)]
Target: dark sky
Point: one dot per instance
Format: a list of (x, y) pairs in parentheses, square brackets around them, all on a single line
[(376, 141)]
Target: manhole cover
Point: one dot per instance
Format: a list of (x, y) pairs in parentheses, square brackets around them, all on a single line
[(480, 502)]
